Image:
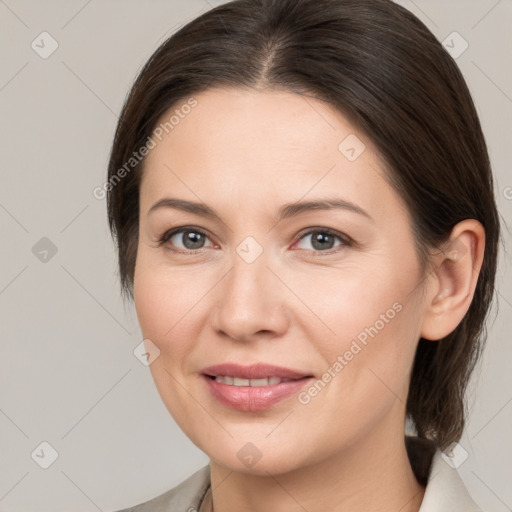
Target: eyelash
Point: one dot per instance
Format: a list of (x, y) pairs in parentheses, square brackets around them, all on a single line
[(346, 240)]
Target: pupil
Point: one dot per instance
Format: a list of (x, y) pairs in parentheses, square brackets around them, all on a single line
[(192, 240), (321, 241)]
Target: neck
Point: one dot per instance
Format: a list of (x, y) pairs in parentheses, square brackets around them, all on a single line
[(372, 474)]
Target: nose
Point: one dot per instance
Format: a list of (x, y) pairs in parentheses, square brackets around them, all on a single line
[(251, 302)]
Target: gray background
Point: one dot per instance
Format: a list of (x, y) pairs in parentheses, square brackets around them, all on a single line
[(68, 375)]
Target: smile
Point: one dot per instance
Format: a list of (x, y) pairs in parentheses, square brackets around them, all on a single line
[(237, 381)]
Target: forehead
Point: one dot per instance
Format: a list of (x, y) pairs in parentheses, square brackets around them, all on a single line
[(272, 144), (244, 122)]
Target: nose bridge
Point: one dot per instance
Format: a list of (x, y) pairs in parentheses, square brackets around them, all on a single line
[(250, 300)]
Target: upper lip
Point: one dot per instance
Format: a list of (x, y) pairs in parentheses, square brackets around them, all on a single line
[(253, 371)]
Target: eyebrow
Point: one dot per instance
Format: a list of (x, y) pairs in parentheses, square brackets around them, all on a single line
[(286, 211)]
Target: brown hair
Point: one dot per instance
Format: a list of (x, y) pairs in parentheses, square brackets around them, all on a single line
[(380, 66)]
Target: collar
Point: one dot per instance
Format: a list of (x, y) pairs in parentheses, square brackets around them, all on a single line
[(445, 491)]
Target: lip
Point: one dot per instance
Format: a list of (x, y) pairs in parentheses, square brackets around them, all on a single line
[(253, 371), (253, 398)]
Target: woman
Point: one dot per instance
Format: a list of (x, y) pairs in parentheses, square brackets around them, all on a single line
[(303, 206)]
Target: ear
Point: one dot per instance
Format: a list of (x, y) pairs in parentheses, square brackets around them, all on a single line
[(453, 281)]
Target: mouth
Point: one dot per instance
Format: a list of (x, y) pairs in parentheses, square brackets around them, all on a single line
[(253, 372), (255, 387), (237, 381)]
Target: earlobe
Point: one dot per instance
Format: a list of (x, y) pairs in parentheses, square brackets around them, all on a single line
[(453, 280)]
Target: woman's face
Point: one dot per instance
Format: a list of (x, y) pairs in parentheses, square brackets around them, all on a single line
[(260, 275)]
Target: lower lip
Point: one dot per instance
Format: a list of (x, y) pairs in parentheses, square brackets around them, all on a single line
[(254, 398)]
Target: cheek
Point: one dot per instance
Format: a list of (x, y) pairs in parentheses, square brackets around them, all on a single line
[(169, 302), (150, 302), (366, 371), (164, 312), (159, 306), (361, 301), (161, 296), (366, 327)]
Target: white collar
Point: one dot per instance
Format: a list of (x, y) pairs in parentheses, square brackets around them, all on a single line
[(445, 490)]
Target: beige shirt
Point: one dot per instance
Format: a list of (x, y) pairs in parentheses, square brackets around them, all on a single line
[(445, 491)]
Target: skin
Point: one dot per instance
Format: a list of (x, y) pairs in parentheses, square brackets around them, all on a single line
[(245, 154)]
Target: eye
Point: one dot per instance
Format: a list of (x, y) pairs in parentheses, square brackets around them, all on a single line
[(190, 238), (324, 240)]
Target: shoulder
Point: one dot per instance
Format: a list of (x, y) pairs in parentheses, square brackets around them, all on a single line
[(444, 489), (186, 496)]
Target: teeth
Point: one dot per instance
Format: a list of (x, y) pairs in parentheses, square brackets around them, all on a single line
[(235, 381), (260, 382)]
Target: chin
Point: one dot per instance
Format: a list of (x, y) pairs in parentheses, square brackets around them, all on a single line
[(275, 465)]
